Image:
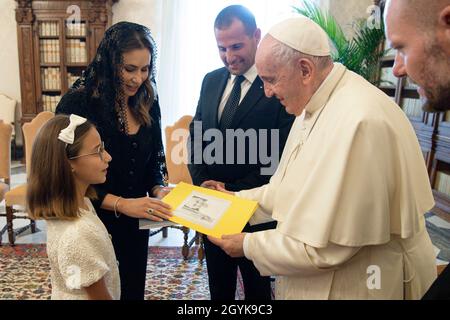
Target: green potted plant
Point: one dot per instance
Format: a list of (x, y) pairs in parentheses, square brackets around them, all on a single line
[(360, 54)]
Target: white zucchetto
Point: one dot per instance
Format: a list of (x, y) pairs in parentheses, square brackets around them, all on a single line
[(302, 34)]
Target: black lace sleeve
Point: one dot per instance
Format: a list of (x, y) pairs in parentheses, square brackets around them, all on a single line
[(73, 102), (159, 173)]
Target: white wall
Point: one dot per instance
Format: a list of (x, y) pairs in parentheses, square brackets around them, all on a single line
[(146, 12), (347, 11), (9, 56)]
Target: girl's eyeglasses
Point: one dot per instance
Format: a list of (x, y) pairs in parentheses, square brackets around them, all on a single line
[(99, 152)]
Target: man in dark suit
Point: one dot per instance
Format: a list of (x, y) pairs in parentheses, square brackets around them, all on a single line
[(252, 129)]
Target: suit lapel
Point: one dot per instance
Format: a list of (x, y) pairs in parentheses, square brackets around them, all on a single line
[(254, 94), (215, 98)]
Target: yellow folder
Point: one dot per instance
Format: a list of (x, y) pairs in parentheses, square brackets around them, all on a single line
[(236, 211)]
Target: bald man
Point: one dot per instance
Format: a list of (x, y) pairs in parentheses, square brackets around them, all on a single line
[(420, 32), (351, 189)]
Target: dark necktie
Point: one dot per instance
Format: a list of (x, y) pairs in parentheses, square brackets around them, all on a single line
[(233, 102)]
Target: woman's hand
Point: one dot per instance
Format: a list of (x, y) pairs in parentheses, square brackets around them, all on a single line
[(145, 208)]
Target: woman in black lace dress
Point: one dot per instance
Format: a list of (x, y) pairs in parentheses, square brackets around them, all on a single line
[(117, 93)]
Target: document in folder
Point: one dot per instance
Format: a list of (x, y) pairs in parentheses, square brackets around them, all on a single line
[(208, 211)]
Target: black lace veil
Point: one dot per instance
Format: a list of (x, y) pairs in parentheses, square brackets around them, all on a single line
[(102, 80)]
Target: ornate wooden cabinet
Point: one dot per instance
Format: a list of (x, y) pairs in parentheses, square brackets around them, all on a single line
[(57, 39)]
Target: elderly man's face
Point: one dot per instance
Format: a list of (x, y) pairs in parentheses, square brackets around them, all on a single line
[(281, 81), (236, 48), (420, 55)]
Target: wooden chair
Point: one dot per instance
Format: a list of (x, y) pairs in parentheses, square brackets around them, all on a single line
[(176, 140), (440, 268), (7, 114), (5, 163), (17, 196), (176, 136)]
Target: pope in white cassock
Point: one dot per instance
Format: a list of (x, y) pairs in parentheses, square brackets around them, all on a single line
[(351, 189)]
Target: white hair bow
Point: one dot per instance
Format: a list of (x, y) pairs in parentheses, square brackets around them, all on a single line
[(67, 135)]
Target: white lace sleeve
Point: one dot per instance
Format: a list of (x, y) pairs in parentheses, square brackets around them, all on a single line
[(80, 257)]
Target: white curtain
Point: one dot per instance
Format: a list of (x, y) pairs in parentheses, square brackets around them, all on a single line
[(188, 49)]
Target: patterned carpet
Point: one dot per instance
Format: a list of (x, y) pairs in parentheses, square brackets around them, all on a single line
[(24, 275), (24, 272)]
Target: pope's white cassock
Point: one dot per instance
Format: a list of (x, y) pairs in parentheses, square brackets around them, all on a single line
[(349, 196)]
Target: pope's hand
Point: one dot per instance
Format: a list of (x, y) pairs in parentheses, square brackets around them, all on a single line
[(216, 185), (233, 244)]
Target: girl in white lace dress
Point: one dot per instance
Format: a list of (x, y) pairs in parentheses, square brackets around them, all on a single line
[(68, 156)]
